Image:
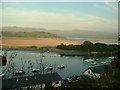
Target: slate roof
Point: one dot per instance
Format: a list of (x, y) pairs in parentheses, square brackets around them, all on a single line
[(30, 80), (101, 69)]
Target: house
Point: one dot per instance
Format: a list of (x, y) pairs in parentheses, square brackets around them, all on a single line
[(97, 71), (52, 80)]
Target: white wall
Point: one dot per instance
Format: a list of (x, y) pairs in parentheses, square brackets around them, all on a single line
[(57, 85), (89, 73), (34, 87)]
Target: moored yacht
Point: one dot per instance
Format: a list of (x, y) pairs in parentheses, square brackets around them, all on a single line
[(97, 59), (112, 57), (48, 68), (94, 63), (89, 60), (20, 72), (103, 62), (61, 66), (35, 70), (2, 75)]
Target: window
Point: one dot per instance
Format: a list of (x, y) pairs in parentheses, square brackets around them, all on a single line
[(57, 82), (48, 85), (88, 71), (26, 78)]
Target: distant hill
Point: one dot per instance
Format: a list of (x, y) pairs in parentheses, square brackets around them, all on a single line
[(22, 29), (42, 32), (84, 34), (29, 34)]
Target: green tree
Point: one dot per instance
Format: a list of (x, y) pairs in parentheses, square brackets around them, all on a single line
[(87, 45)]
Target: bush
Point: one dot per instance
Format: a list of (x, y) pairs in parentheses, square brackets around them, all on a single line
[(87, 45), (32, 47)]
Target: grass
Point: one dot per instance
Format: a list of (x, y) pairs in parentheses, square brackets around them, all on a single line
[(24, 48)]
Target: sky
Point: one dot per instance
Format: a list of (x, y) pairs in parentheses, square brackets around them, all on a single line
[(94, 16)]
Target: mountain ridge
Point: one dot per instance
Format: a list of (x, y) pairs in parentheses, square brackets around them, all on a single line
[(74, 33)]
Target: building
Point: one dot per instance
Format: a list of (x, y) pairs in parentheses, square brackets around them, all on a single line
[(97, 71), (52, 80)]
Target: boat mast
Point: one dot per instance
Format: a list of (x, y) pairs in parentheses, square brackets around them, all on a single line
[(88, 52), (12, 64)]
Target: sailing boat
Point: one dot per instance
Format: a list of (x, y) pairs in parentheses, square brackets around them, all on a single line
[(21, 72), (2, 75), (49, 67), (94, 63), (111, 57), (61, 66), (35, 70), (89, 59)]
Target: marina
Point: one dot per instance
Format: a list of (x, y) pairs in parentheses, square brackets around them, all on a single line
[(66, 66)]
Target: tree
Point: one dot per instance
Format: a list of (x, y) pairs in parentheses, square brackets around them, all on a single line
[(87, 45)]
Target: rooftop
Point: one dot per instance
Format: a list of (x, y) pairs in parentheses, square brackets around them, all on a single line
[(101, 69), (30, 80)]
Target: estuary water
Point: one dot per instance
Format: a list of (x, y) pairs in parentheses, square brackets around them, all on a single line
[(74, 65)]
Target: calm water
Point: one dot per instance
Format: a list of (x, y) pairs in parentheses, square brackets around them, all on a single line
[(115, 41), (74, 65)]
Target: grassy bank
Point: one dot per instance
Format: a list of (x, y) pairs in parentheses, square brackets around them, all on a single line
[(29, 48)]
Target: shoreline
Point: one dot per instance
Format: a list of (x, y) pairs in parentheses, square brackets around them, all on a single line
[(8, 42), (66, 52), (36, 44), (80, 53)]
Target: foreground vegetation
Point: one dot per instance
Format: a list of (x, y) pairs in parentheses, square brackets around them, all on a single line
[(28, 48), (112, 80), (87, 45)]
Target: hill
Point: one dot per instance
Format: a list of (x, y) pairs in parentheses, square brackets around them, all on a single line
[(22, 29), (29, 34), (84, 34), (42, 32)]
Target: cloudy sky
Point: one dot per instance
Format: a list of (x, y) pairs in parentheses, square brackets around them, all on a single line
[(95, 16)]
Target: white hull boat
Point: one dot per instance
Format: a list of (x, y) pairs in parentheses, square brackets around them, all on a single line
[(94, 63), (48, 68), (2, 75), (61, 66), (103, 62), (20, 72), (89, 60), (111, 57), (35, 70), (97, 59)]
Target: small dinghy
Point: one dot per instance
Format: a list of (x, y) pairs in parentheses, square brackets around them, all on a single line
[(35, 70), (48, 68), (2, 75), (97, 59), (89, 60), (20, 72), (61, 66), (103, 62), (94, 63), (111, 57)]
